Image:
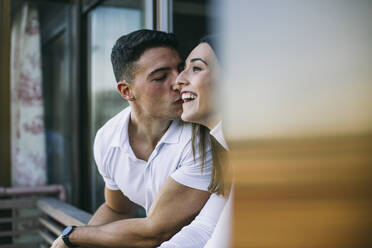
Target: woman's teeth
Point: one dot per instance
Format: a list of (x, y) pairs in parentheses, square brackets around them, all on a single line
[(188, 97)]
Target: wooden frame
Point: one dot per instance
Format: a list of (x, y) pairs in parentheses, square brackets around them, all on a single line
[(5, 176), (74, 31)]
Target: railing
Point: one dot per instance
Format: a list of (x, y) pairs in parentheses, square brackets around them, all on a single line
[(34, 221)]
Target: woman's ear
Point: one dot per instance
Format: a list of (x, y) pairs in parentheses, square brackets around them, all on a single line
[(125, 90)]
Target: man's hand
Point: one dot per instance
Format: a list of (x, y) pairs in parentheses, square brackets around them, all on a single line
[(58, 243), (116, 207)]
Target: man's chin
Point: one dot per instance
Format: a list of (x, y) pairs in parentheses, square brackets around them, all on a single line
[(176, 116)]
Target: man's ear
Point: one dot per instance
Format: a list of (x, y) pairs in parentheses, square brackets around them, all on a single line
[(125, 90)]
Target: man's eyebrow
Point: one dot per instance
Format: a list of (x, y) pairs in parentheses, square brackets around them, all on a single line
[(158, 69), (196, 59)]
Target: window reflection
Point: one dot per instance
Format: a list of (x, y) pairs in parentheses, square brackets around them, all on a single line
[(106, 25), (57, 94), (191, 20)]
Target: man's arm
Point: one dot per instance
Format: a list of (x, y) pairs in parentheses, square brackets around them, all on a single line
[(175, 206), (116, 207)]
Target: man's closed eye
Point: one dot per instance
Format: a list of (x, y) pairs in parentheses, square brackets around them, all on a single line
[(159, 79)]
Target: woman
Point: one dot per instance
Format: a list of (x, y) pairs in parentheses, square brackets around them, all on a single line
[(196, 84)]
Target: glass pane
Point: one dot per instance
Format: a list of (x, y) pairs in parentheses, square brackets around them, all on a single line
[(57, 99), (106, 25), (57, 93), (191, 20)]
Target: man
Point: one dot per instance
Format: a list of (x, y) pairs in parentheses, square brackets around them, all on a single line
[(144, 153)]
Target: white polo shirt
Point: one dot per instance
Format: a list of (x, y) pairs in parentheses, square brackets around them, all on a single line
[(141, 180)]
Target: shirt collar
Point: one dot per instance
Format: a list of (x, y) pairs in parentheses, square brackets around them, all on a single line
[(121, 129), (171, 136), (217, 133)]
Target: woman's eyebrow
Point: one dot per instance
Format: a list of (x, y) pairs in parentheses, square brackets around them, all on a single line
[(196, 59)]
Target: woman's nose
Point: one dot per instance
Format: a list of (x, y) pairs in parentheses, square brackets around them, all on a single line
[(180, 82)]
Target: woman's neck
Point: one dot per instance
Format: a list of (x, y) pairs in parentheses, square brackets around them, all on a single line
[(211, 121)]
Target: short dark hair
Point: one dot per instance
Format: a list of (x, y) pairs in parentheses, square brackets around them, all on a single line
[(129, 48)]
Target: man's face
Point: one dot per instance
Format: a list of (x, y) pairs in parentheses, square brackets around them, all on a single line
[(154, 78)]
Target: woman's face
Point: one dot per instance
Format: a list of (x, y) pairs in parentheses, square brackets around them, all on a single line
[(197, 83)]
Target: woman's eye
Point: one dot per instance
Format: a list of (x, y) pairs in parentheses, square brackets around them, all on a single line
[(196, 68), (161, 78)]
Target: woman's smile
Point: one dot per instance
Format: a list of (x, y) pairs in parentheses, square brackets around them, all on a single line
[(188, 96)]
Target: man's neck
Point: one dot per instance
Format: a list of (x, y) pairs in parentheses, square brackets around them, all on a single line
[(146, 130)]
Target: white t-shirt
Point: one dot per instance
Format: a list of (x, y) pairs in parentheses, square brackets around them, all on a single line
[(211, 227), (141, 180)]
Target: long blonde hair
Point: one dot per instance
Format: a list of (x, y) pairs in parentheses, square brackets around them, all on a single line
[(220, 173)]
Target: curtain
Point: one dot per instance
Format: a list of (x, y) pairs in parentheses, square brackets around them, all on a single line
[(27, 112)]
